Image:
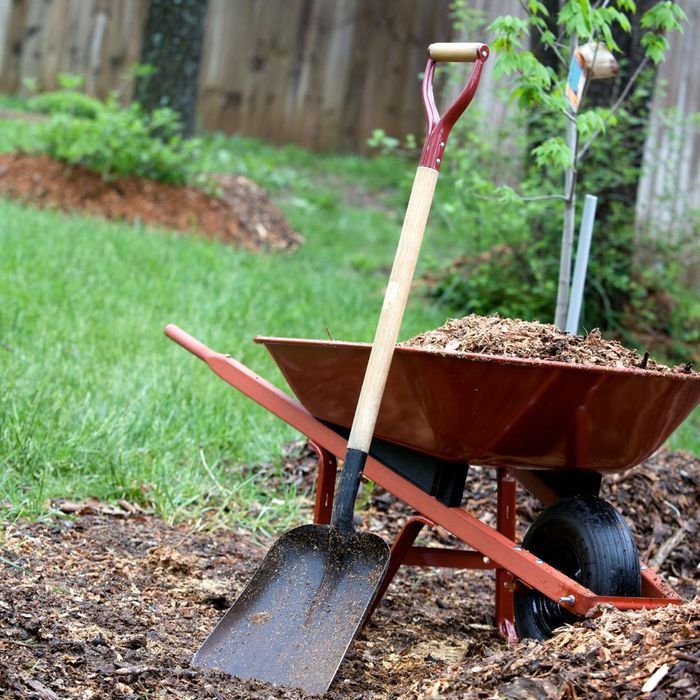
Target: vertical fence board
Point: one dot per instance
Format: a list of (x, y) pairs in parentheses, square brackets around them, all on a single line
[(670, 185), (15, 21)]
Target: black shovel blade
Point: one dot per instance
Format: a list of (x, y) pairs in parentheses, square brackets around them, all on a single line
[(295, 620)]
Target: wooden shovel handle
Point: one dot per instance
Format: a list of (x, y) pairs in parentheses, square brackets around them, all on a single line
[(392, 310), (400, 279), (465, 52)]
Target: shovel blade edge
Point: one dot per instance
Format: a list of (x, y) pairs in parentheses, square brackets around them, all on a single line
[(296, 618)]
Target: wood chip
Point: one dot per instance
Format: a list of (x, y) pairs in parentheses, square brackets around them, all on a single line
[(655, 678), (508, 337), (40, 688)]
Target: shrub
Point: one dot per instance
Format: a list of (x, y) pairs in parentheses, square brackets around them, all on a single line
[(66, 102), (117, 141)]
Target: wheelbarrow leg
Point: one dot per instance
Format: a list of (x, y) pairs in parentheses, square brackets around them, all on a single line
[(325, 484), (402, 544), (505, 616), (506, 522)]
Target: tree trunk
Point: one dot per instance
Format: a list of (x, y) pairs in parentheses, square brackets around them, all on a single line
[(567, 235), (173, 46)]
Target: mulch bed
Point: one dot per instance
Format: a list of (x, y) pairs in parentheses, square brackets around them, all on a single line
[(243, 214), (509, 337), (112, 602)]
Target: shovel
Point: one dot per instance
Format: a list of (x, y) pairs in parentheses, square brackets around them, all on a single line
[(296, 618)]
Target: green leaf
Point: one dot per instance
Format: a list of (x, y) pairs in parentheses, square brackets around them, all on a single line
[(68, 81), (584, 19), (655, 46), (548, 38), (537, 22), (613, 15), (533, 82), (507, 195), (507, 64), (510, 32), (664, 16), (608, 38), (538, 8), (553, 153), (590, 122)]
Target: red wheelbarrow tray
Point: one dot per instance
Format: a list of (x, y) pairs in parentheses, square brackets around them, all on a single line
[(493, 410)]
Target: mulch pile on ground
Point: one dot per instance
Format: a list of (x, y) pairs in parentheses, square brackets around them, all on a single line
[(619, 655), (509, 337), (243, 214), (113, 603)]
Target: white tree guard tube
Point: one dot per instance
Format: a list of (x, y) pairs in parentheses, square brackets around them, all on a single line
[(573, 315)]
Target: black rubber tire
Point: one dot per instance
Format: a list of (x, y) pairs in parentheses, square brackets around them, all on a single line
[(588, 540)]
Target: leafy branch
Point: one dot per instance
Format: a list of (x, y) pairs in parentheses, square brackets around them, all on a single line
[(538, 87)]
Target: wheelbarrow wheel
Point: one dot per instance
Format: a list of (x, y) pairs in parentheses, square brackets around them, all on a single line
[(589, 541)]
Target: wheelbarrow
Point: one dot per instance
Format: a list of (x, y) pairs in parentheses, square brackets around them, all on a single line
[(555, 428), (425, 417)]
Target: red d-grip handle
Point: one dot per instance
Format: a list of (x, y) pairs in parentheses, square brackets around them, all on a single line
[(439, 127)]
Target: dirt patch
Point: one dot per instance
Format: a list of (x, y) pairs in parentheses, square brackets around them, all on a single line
[(494, 335), (243, 214), (114, 606)]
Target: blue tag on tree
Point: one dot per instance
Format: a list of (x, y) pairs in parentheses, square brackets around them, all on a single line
[(575, 83)]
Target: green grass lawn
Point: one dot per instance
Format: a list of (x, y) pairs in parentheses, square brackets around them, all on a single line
[(95, 401), (687, 436)]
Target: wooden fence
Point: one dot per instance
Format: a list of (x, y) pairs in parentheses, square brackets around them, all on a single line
[(98, 39), (668, 199), (325, 73), (321, 74)]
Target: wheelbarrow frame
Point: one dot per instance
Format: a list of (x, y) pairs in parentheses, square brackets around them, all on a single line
[(491, 548)]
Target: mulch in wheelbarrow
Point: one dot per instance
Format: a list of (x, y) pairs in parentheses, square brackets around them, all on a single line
[(112, 602), (494, 335)]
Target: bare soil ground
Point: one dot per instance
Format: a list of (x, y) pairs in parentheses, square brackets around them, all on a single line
[(111, 602), (243, 213), (509, 337)]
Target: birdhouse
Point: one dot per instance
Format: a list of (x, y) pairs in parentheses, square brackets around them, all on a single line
[(597, 61)]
